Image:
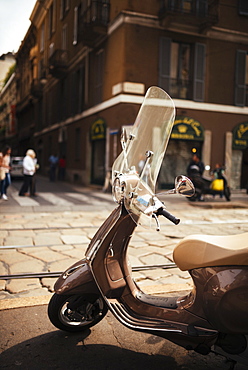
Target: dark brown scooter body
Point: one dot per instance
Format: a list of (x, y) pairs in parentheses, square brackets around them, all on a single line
[(212, 315)]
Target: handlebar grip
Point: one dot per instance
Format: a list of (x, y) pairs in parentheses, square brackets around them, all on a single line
[(168, 215)]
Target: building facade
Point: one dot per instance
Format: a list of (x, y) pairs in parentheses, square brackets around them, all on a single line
[(84, 66), (8, 123)]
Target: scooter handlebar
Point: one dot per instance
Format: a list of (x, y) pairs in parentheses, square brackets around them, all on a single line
[(162, 212)]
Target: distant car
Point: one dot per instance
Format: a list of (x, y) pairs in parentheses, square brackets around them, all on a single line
[(16, 165)]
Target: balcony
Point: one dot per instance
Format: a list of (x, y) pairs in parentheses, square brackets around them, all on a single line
[(201, 15), (93, 22), (58, 62), (36, 88)]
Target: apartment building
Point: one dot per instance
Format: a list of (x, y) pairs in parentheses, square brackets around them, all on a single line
[(85, 65), (8, 124)]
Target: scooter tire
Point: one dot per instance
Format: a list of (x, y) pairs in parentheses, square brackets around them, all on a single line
[(76, 313)]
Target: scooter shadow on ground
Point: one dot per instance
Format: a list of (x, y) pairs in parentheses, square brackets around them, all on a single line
[(108, 346), (60, 350)]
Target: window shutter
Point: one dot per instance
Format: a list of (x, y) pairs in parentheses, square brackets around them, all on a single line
[(199, 72), (240, 87), (164, 63)]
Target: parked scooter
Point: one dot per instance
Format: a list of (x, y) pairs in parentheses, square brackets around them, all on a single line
[(213, 316)]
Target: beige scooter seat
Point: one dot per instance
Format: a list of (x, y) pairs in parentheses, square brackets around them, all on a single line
[(196, 251)]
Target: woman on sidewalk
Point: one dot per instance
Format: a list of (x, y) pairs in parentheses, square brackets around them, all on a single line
[(5, 167), (29, 168)]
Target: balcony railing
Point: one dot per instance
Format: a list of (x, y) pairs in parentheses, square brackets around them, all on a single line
[(93, 22), (58, 63), (196, 13)]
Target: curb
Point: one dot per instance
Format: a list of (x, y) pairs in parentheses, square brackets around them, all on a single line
[(216, 205), (8, 304), (174, 289)]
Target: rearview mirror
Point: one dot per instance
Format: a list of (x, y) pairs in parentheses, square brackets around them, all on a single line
[(184, 186)]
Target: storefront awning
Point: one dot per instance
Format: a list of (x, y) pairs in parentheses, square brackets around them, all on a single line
[(187, 128), (240, 136)]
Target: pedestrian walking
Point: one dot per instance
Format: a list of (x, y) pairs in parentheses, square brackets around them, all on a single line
[(4, 171), (53, 160), (29, 168), (62, 164), (195, 171)]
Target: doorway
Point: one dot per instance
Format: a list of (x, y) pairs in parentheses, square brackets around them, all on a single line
[(98, 162), (244, 170), (177, 158)]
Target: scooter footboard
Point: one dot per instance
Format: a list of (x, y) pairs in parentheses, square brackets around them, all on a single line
[(77, 279)]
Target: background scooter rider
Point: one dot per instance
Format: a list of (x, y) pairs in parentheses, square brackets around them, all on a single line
[(219, 173), (195, 170)]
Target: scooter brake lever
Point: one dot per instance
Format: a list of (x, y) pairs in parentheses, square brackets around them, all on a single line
[(157, 221)]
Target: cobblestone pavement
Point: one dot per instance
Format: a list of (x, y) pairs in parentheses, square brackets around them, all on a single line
[(34, 242)]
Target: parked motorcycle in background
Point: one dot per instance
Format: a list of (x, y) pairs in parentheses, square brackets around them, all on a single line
[(213, 316), (215, 186)]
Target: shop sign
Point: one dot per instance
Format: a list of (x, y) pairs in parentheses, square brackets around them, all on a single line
[(98, 130), (240, 136), (187, 128)]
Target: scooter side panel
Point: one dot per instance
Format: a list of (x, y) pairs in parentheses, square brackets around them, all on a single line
[(226, 299), (77, 279)]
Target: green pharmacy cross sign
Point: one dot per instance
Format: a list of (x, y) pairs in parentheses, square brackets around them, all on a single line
[(240, 136), (186, 128)]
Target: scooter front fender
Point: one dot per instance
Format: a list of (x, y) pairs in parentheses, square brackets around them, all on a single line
[(77, 279)]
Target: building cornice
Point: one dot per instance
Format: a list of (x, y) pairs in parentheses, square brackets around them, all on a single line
[(135, 99), (228, 35), (39, 12), (146, 20)]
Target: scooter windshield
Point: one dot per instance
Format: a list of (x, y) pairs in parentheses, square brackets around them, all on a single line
[(136, 169)]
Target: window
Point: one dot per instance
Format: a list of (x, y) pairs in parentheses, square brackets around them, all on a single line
[(241, 78), (64, 7), (41, 69), (42, 37), (199, 72), (78, 11), (99, 76), (78, 90), (52, 18), (75, 26), (243, 7), (64, 37), (182, 69), (51, 49), (77, 143), (195, 7), (187, 6)]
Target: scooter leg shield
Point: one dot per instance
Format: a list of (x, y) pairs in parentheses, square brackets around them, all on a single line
[(77, 279)]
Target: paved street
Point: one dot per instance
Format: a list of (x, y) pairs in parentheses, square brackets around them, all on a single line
[(37, 238), (54, 196), (49, 235)]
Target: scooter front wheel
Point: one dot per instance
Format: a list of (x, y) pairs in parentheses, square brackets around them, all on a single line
[(75, 313)]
